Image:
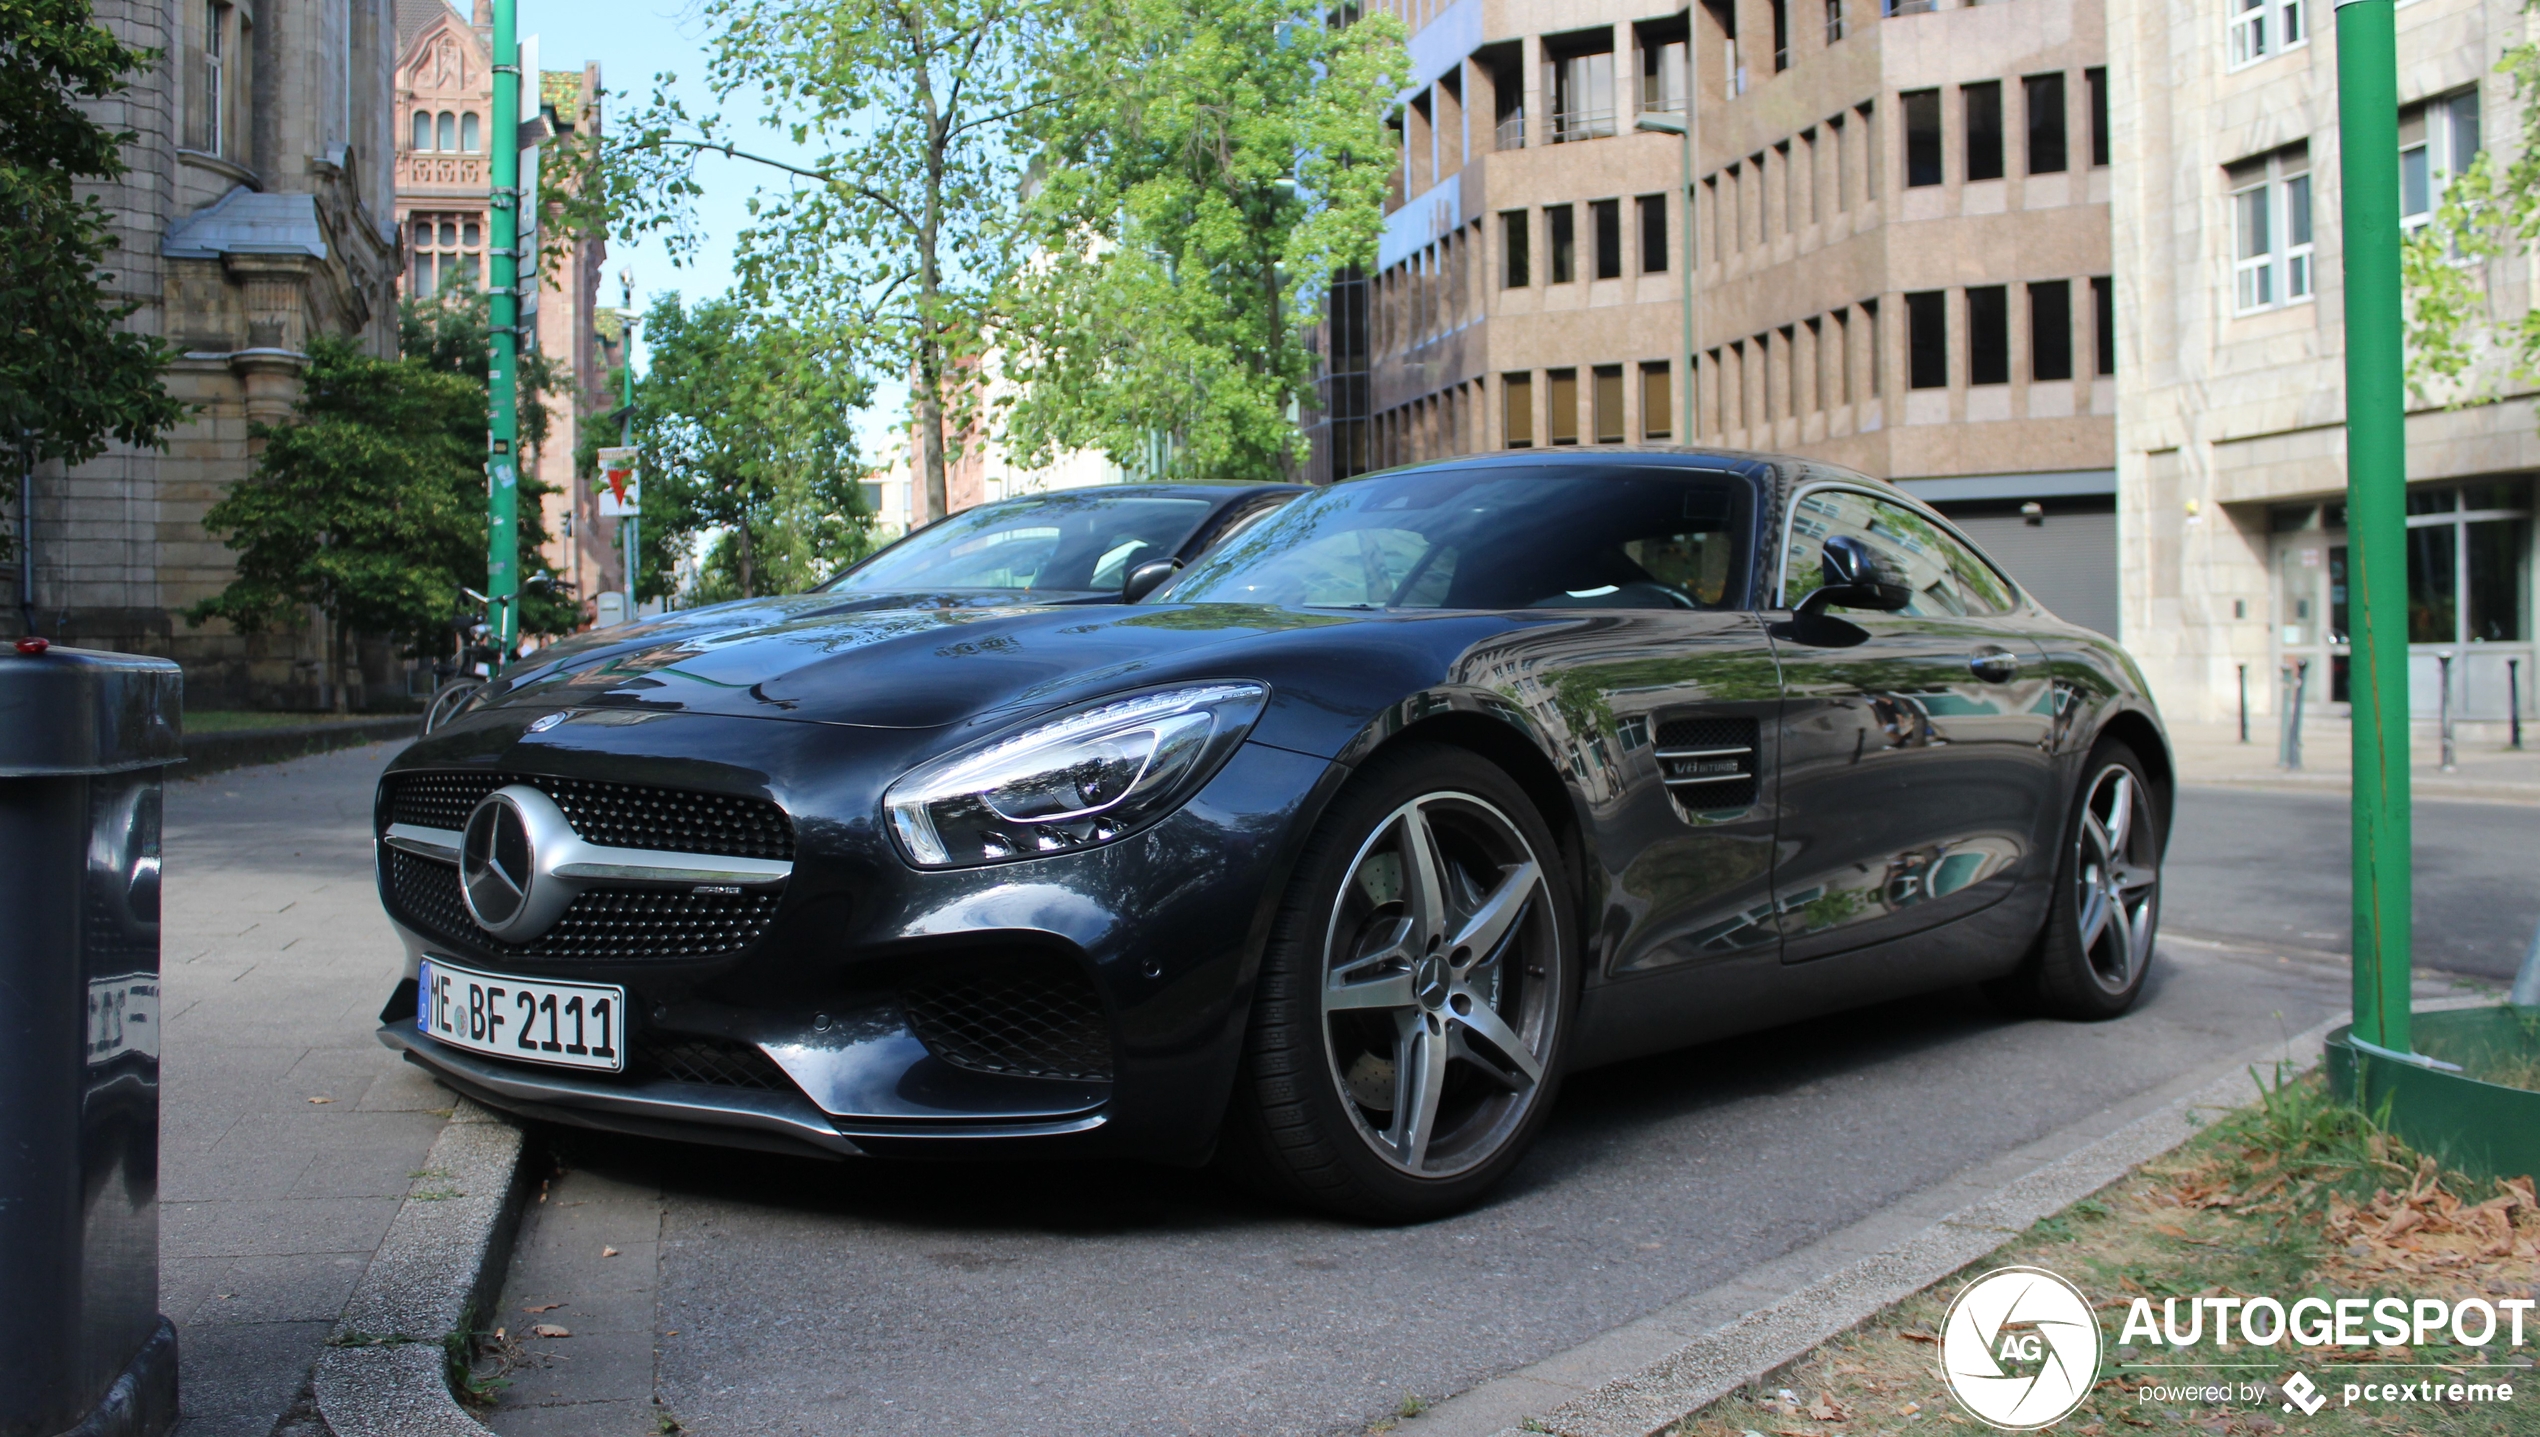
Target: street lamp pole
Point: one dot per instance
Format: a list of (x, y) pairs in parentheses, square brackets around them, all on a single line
[(2376, 515), (1682, 126), (502, 460), (626, 420)]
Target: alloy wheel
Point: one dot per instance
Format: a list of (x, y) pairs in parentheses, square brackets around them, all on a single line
[(1441, 984), (2117, 878)]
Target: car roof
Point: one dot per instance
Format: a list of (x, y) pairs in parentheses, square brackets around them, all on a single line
[(1786, 468), (1174, 489)]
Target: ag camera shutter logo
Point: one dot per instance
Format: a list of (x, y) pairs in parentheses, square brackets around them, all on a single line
[(2020, 1348)]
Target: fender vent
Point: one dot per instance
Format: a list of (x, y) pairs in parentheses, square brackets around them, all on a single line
[(1708, 763)]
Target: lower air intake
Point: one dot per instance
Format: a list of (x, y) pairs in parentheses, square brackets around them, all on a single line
[(1033, 1018)]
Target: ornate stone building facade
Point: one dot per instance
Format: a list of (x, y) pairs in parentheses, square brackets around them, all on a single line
[(444, 107), (258, 214)]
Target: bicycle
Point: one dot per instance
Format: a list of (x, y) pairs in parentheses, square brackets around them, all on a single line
[(459, 681)]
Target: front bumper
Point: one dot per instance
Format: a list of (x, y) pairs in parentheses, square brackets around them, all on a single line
[(1159, 931)]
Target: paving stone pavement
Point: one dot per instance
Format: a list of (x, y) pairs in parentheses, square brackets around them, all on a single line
[(288, 1136)]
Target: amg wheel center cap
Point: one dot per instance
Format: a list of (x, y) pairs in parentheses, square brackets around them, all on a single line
[(1429, 982)]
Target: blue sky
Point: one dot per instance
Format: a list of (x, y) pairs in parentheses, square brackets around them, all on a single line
[(633, 40)]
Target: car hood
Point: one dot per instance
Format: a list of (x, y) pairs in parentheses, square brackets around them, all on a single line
[(911, 667)]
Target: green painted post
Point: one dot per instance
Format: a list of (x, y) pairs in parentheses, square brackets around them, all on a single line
[(502, 466), (2376, 514)]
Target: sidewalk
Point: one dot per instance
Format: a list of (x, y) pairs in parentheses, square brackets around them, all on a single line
[(2487, 770), (288, 1135)]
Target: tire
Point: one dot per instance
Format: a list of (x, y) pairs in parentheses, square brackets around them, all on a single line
[(2097, 945), (1407, 1037), (448, 699)]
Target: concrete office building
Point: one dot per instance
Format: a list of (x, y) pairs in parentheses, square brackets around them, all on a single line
[(256, 216), (1900, 238), (444, 101), (2231, 446)]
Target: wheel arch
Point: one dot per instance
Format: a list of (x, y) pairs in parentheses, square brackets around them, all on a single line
[(1514, 753), (2137, 731)]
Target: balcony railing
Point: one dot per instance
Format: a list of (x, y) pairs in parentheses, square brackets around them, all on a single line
[(1512, 131), (1660, 106), (1572, 126)]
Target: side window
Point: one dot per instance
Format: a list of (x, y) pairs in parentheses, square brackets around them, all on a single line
[(1948, 578)]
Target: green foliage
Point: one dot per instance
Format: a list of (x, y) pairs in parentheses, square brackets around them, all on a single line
[(1217, 162), (69, 375), (2459, 348), (369, 503), (893, 238), (743, 425)]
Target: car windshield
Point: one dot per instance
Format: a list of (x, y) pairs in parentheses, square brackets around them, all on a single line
[(1060, 541), (1495, 538)]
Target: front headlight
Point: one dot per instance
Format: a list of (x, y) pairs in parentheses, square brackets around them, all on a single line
[(1073, 782)]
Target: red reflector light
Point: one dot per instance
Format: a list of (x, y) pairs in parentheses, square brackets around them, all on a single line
[(34, 644)]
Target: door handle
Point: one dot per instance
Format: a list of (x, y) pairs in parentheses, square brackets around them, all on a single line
[(1994, 666)]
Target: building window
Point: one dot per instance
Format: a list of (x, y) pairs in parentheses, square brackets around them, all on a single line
[(469, 139), (1609, 404), (1834, 21), (422, 131), (1927, 340), (213, 132), (2050, 330), (1653, 234), (1582, 97), (1608, 215), (1781, 35), (2437, 140), (2469, 565), (449, 131), (2271, 230), (2103, 304), (2043, 98), (1559, 221), (1988, 335), (1982, 105), (1515, 271), (1878, 357), (1662, 76), (1657, 402), (448, 250), (2097, 79), (1517, 410), (2260, 28), (1922, 137), (1562, 426)]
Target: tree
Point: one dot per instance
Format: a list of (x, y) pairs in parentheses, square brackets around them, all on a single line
[(896, 234), (70, 378), (2459, 346), (742, 422), (1222, 160), (369, 502)]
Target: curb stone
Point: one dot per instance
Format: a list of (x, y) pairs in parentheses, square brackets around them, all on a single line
[(1716, 1363), (385, 1370)]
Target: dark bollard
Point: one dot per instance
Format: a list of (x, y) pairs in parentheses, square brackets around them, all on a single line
[(84, 740)]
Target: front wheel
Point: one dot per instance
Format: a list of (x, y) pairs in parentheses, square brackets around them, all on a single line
[(1409, 1020), (448, 699), (2090, 961)]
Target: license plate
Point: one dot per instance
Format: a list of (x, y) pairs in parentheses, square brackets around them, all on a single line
[(573, 1025)]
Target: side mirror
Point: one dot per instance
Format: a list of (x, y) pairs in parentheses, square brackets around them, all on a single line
[(1851, 575), (1147, 578)]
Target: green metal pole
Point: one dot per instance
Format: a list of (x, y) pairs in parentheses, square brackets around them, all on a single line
[(2376, 514), (502, 466), (1693, 106)]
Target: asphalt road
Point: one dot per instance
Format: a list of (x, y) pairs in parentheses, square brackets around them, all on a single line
[(2272, 869)]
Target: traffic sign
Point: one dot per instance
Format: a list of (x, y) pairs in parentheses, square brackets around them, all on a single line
[(620, 487)]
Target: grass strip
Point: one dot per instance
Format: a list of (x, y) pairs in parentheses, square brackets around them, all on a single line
[(2298, 1196)]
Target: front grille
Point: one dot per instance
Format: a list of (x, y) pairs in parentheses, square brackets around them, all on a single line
[(715, 1062), (620, 815), (612, 924), (1036, 1018), (1708, 763)]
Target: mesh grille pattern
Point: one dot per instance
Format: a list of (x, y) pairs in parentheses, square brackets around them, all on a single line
[(716, 1062), (612, 924), (1709, 784), (620, 815), (1036, 1019)]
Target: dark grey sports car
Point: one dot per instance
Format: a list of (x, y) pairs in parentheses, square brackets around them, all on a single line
[(1329, 859)]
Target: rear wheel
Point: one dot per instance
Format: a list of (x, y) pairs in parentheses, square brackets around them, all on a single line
[(2091, 959), (1408, 1023)]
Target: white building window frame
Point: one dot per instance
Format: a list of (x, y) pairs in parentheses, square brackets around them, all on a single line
[(2272, 233), (2260, 30), (2438, 138)]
